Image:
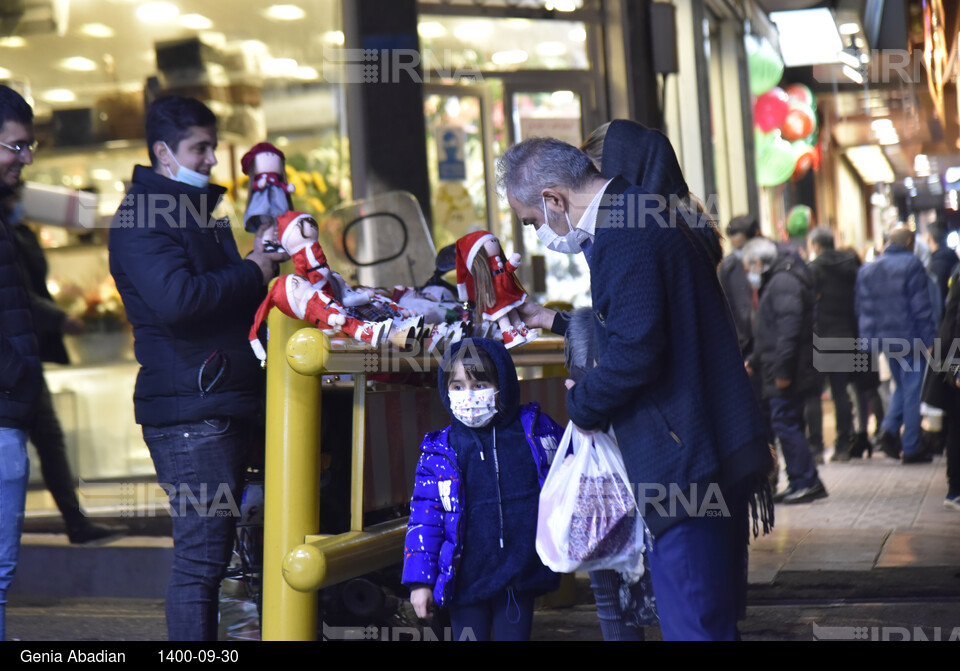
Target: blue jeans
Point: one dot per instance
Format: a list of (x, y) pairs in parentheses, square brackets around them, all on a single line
[(200, 466), (14, 474), (699, 573), (506, 617), (786, 416), (905, 402)]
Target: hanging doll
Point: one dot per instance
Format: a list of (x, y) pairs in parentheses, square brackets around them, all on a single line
[(269, 190), (484, 278), (297, 233), (297, 298)]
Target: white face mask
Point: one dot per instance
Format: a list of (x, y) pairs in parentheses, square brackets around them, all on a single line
[(473, 407), (565, 244), (754, 279), (186, 175)]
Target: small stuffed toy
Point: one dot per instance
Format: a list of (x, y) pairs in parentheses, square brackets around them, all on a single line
[(484, 278), (297, 298), (269, 190)]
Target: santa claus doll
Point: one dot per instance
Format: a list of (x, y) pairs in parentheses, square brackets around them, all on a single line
[(270, 193), (295, 297), (484, 278)]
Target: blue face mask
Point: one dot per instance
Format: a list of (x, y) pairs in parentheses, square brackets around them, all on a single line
[(186, 175)]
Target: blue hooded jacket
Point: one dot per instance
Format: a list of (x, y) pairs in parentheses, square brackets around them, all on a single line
[(469, 548)]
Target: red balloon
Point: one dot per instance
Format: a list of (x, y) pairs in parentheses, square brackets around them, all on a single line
[(798, 123), (806, 157), (801, 93), (770, 109)]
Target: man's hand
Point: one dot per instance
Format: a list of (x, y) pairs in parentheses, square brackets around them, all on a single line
[(783, 384), (268, 262), (422, 600), (536, 316)]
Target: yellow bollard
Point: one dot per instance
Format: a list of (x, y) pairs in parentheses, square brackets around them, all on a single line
[(292, 489)]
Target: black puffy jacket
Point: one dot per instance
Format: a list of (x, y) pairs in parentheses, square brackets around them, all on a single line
[(834, 275), (20, 369), (783, 340), (190, 298)]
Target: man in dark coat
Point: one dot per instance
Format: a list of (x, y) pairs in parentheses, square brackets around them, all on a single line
[(896, 317), (783, 356), (834, 273), (680, 404), (21, 375), (191, 299), (46, 434), (733, 279)]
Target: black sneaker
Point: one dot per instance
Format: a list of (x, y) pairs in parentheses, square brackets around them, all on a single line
[(889, 443), (920, 457), (806, 494)]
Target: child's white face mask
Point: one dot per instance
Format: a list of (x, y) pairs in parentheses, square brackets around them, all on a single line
[(473, 407)]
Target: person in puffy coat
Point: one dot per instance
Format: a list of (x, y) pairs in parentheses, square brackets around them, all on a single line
[(470, 544), (783, 356), (896, 317)]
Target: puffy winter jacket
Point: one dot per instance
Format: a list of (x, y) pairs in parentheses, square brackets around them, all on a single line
[(893, 298), (438, 507), (834, 275), (783, 344)]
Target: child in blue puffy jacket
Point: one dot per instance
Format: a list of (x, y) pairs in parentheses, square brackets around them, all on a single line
[(470, 544)]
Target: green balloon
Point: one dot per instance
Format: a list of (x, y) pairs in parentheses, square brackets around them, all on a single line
[(775, 159), (764, 63), (798, 220)]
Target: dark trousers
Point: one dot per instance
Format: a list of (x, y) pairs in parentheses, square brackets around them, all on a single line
[(48, 439), (200, 466), (952, 427), (843, 411), (506, 617), (699, 573), (786, 416)]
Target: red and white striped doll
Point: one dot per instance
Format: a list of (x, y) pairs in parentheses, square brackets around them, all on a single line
[(295, 297), (484, 278)]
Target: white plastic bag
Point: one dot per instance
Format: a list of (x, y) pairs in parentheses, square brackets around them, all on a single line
[(588, 517)]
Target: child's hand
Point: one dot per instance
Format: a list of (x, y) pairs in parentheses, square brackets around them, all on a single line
[(422, 600)]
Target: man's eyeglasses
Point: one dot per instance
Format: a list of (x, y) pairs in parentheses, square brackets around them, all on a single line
[(21, 148)]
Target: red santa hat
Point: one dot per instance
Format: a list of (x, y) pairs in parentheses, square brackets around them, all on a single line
[(246, 163), (285, 223), (467, 249), (279, 296)]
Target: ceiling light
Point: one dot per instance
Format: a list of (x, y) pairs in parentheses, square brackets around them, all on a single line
[(196, 22), (796, 27), (853, 74), (952, 203), (871, 164), (59, 96), (334, 37), (908, 182), (952, 174), (279, 67), (156, 12), (881, 124), (921, 164), (888, 137), (431, 29), (284, 13), (96, 30), (306, 73), (509, 57), (77, 64), (560, 5), (473, 30), (13, 42), (849, 28), (864, 57), (551, 49), (578, 34), (5, 74)]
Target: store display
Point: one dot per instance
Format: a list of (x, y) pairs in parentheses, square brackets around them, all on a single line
[(764, 64), (771, 109)]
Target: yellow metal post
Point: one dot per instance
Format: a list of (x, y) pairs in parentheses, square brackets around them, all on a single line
[(359, 445), (292, 494)]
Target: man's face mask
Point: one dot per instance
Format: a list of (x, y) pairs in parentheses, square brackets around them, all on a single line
[(186, 175), (565, 244)]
